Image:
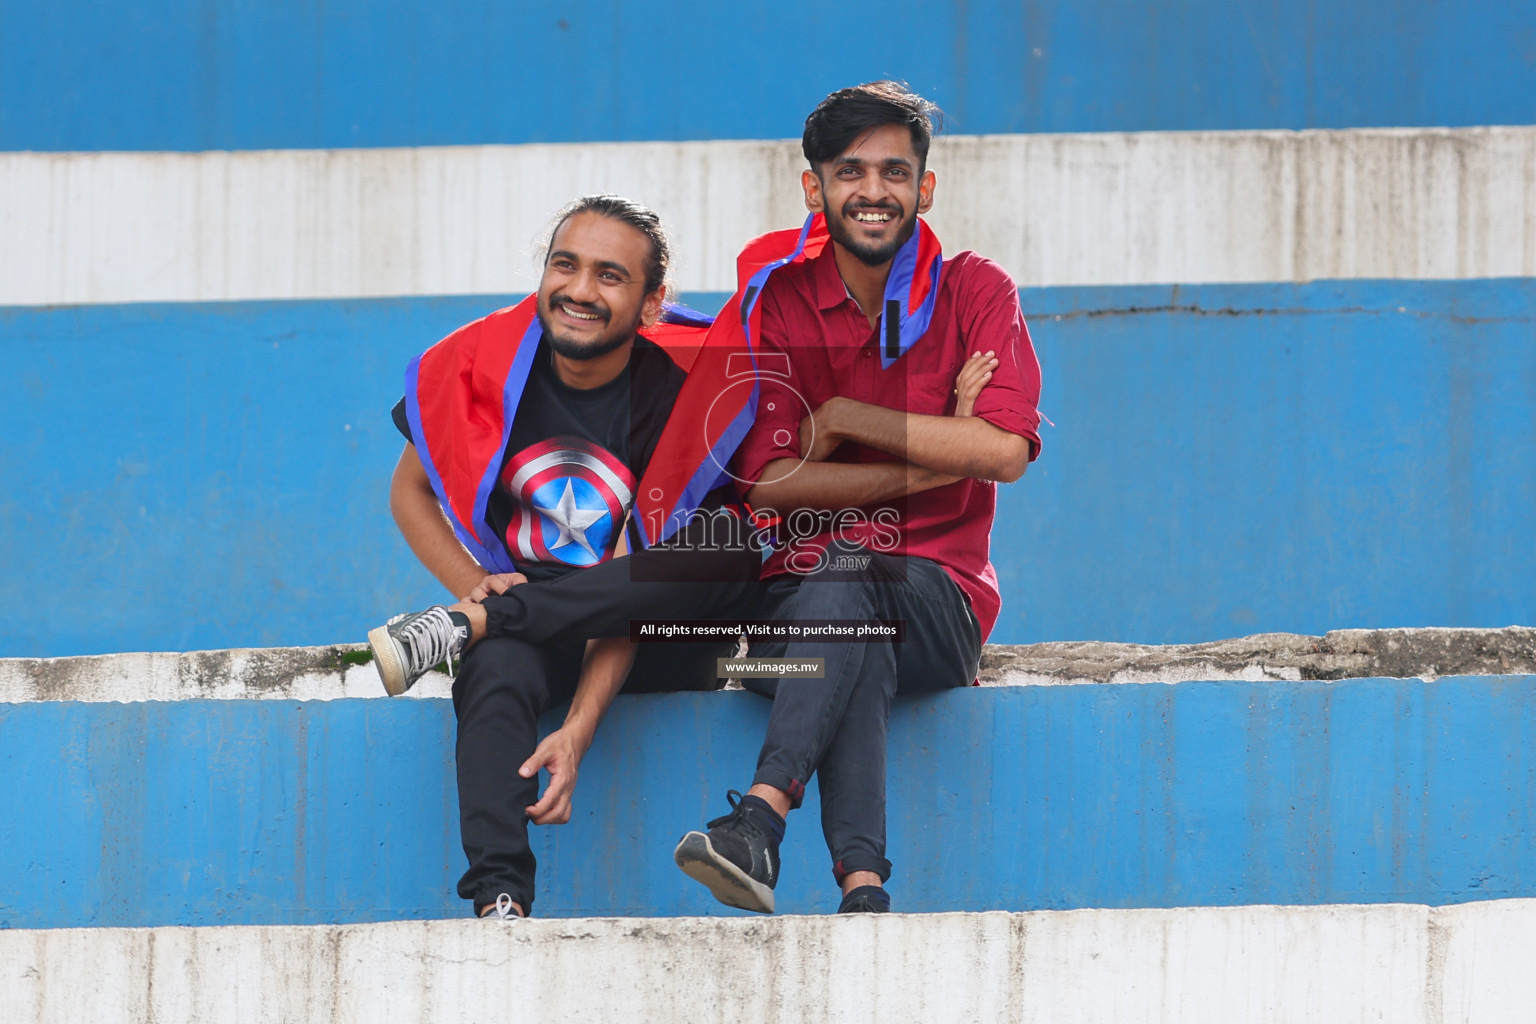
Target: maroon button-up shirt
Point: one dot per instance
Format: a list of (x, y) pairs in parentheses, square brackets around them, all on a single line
[(808, 315)]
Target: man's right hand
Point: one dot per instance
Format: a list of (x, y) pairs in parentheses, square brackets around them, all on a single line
[(497, 583), (559, 754)]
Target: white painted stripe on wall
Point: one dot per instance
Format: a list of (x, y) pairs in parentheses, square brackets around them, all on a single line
[(1099, 209), (1325, 965), (116, 227)]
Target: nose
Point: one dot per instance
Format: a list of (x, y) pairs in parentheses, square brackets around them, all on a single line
[(873, 188), (582, 287)]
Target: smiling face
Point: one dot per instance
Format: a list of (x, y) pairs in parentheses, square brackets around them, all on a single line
[(871, 193), (592, 296)]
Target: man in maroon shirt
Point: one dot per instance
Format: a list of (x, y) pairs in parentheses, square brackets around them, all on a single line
[(887, 487)]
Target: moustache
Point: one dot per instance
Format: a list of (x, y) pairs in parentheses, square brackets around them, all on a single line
[(586, 307)]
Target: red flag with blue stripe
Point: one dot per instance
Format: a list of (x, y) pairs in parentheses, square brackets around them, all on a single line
[(462, 394)]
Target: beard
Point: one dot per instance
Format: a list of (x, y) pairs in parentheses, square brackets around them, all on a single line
[(871, 255), (581, 349)]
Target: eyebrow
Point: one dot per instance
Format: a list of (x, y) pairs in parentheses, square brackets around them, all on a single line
[(608, 264), (890, 161)]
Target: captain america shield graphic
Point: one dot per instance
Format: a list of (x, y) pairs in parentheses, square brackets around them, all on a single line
[(569, 499)]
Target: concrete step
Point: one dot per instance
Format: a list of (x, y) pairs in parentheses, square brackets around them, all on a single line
[(342, 670), (1218, 792), (1296, 466), (1083, 209), (1325, 965)]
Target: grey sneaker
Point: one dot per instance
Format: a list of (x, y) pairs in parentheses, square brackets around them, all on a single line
[(502, 910), (406, 646)]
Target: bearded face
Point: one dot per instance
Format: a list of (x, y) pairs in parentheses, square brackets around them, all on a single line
[(872, 193), (592, 295)]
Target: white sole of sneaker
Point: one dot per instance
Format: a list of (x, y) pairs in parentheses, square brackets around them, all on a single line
[(387, 660), (725, 881)]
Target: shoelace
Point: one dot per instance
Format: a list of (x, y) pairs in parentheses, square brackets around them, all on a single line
[(504, 908), (733, 797), (739, 821), (430, 637)]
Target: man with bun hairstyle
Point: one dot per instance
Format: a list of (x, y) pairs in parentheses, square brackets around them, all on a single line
[(540, 446)]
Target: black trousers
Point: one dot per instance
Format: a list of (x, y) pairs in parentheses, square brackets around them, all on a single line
[(835, 727), (530, 661)]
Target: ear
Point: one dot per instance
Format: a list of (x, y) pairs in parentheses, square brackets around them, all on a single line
[(925, 192), (811, 183), (650, 307)]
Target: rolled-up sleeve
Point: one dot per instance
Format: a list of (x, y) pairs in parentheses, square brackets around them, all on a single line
[(994, 322)]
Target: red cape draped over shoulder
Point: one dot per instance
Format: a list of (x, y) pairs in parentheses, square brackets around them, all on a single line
[(461, 395)]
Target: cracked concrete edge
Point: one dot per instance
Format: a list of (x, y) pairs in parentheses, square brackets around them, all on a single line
[(1423, 653), (274, 673), (328, 673), (1398, 962)]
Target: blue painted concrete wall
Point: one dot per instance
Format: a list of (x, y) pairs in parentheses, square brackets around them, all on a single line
[(226, 74), (1244, 459), (210, 476), (1226, 460), (1213, 794)]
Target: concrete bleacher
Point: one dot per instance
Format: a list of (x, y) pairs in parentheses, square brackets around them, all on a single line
[(273, 787), (1279, 264), (1329, 964), (1195, 833), (1225, 459)]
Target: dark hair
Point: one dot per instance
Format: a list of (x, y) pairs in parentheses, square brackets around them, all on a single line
[(844, 115), (642, 218)]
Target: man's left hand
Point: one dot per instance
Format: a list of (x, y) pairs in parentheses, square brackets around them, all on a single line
[(560, 755)]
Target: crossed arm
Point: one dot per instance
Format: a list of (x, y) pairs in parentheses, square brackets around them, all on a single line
[(604, 668), (931, 451)]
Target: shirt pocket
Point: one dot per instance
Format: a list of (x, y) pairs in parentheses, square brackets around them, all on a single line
[(931, 394)]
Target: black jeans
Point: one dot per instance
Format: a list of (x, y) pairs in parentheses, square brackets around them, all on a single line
[(530, 661), (835, 727)]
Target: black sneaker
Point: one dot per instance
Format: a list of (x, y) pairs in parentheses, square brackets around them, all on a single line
[(406, 646), (866, 899), (738, 859)]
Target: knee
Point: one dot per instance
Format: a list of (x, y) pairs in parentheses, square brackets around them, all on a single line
[(503, 666), (829, 596)]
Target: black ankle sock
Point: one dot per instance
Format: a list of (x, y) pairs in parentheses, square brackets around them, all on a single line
[(461, 621), (764, 813), (877, 895)]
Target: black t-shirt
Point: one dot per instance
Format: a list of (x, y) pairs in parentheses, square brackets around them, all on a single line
[(574, 459)]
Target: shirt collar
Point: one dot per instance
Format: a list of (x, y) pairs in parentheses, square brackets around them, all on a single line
[(830, 289)]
